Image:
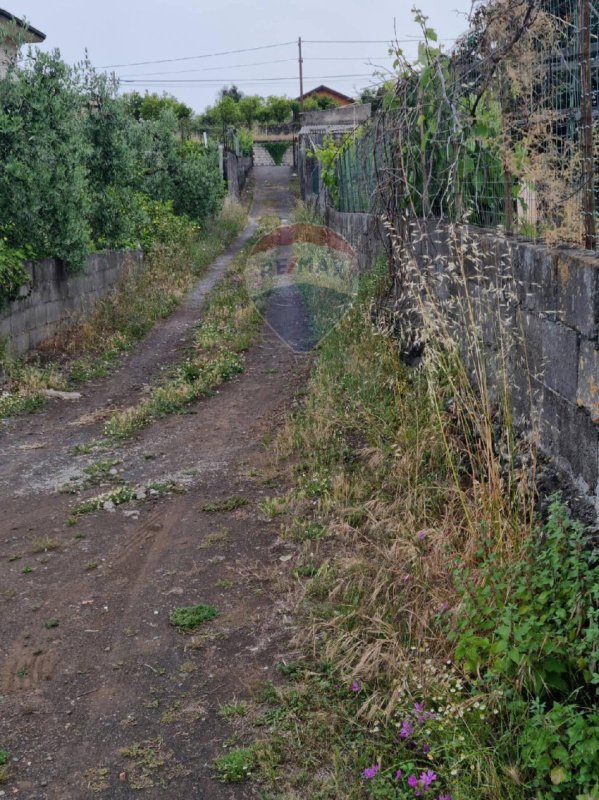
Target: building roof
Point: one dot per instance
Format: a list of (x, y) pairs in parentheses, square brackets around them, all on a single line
[(34, 34), (323, 88)]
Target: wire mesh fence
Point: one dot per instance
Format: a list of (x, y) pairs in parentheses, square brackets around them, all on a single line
[(502, 132)]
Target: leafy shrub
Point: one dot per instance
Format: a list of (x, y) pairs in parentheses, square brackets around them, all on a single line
[(246, 141), (44, 196), (155, 222), (76, 159), (537, 621), (112, 160), (198, 187), (559, 745), (13, 274), (531, 628)]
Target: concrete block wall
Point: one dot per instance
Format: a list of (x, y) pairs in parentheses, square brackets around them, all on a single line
[(237, 169), (554, 300), (54, 296)]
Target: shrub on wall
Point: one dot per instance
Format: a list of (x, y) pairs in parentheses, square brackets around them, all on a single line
[(13, 274), (111, 163), (76, 159), (198, 185), (44, 191)]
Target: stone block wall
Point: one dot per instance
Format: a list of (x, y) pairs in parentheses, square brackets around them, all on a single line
[(54, 295), (555, 364)]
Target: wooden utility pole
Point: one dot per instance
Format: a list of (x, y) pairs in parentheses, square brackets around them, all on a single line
[(301, 73), (586, 126)]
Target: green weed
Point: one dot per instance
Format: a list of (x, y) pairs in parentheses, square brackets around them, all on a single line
[(4, 766), (101, 471), (191, 617), (236, 766), (115, 498), (229, 710), (272, 507)]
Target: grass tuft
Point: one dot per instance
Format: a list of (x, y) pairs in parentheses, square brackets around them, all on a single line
[(236, 766), (228, 504), (189, 618)]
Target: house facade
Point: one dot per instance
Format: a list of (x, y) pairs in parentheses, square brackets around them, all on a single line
[(14, 32)]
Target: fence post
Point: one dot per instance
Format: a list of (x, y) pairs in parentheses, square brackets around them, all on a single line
[(508, 200), (586, 126)]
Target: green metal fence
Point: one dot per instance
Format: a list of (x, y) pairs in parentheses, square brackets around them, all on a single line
[(504, 131)]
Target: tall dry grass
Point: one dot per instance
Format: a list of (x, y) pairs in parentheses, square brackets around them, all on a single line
[(414, 470)]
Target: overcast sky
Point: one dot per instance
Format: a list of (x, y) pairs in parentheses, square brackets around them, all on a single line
[(119, 32)]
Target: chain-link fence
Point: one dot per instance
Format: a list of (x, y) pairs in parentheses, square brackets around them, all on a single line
[(504, 131)]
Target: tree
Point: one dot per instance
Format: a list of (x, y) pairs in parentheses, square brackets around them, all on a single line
[(279, 109), (152, 106), (232, 91), (376, 97), (248, 108), (325, 102), (226, 113)]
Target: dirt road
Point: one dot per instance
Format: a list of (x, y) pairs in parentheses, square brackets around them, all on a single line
[(99, 695)]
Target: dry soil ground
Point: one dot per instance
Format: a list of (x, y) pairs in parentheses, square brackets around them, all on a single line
[(90, 664)]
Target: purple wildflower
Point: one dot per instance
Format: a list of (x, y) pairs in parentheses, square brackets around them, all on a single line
[(426, 748), (355, 687), (398, 774), (407, 729), (413, 782), (421, 714), (370, 772), (422, 535), (444, 797), (426, 778)]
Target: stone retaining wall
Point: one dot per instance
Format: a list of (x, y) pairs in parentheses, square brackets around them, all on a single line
[(54, 295), (555, 364)]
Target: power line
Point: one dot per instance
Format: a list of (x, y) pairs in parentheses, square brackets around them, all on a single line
[(210, 69), (347, 41), (251, 64), (208, 82), (192, 58), (413, 40), (391, 41), (246, 80)]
